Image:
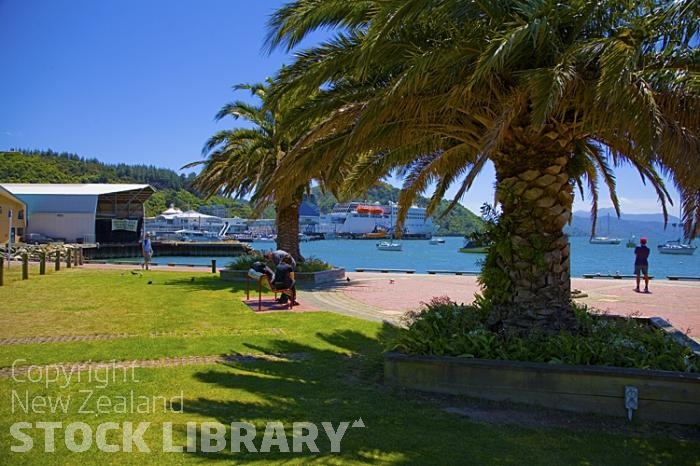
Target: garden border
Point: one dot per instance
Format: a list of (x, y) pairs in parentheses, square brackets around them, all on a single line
[(662, 396)]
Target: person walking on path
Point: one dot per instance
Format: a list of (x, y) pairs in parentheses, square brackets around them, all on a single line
[(146, 251), (641, 264)]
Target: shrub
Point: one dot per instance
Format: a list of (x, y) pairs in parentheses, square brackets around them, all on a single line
[(444, 328), (310, 264)]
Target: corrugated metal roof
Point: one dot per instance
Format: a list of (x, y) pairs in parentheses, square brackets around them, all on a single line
[(91, 189)]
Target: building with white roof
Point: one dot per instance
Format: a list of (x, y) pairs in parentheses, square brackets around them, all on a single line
[(104, 213)]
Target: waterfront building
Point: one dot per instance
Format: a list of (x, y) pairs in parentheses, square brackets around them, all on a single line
[(84, 213)]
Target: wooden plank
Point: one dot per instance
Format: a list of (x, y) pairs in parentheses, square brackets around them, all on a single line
[(682, 277), (615, 276), (385, 270)]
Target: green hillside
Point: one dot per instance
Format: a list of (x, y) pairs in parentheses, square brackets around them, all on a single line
[(51, 167), (25, 166)]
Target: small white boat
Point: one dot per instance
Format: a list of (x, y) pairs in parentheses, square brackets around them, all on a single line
[(604, 240), (437, 241), (676, 247), (389, 246)]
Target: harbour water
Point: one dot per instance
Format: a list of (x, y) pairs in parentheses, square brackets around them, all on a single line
[(421, 256)]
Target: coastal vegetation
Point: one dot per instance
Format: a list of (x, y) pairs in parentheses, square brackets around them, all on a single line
[(553, 94), (189, 334)]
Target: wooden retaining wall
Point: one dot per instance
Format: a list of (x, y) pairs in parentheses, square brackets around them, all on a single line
[(662, 396)]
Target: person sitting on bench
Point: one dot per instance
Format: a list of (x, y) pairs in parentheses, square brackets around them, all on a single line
[(283, 279)]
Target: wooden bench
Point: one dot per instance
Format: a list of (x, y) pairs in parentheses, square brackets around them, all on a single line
[(263, 279)]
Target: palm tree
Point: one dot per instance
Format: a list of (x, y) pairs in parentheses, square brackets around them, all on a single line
[(242, 161), (554, 94)]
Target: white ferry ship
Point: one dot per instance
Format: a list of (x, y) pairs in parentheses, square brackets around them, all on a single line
[(357, 219)]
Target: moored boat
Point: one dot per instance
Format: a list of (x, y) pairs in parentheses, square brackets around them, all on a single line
[(604, 240), (389, 246), (676, 247)]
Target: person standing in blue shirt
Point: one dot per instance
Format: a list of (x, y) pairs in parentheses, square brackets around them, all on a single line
[(641, 264), (146, 251)]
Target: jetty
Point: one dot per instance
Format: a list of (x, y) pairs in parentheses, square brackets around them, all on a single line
[(168, 248)]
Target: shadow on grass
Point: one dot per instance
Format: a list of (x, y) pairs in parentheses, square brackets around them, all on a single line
[(340, 382), (203, 282)]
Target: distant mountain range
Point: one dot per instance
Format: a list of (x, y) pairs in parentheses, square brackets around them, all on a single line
[(608, 224)]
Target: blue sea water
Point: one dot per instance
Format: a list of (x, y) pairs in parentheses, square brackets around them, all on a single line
[(421, 256)]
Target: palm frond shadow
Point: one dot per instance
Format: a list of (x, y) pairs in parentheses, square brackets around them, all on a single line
[(335, 382)]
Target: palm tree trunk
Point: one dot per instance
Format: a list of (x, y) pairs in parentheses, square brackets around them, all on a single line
[(531, 251), (288, 228)]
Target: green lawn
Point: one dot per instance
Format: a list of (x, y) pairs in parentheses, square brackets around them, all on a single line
[(326, 368)]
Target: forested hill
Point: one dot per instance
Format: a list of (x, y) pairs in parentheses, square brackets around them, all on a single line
[(31, 166), (52, 167)]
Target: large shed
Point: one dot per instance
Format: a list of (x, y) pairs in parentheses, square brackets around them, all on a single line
[(104, 213)]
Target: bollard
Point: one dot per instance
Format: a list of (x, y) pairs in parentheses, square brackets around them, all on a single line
[(2, 271), (58, 260), (68, 259), (213, 266), (25, 266), (42, 263)]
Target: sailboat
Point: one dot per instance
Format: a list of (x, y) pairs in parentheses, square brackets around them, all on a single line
[(677, 246), (605, 239)]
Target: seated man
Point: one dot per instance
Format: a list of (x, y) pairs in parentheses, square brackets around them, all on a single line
[(284, 279), (259, 269)]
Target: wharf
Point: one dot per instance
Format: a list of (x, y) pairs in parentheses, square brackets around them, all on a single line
[(167, 248)]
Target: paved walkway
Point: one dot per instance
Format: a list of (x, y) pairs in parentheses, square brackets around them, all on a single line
[(380, 296), (387, 296)]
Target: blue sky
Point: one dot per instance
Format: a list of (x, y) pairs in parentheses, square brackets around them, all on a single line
[(139, 81)]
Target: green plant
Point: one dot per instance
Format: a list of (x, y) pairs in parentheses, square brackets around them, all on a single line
[(445, 328), (245, 261), (313, 264), (310, 264)]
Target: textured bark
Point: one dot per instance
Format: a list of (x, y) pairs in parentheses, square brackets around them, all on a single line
[(288, 228), (532, 251)]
